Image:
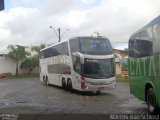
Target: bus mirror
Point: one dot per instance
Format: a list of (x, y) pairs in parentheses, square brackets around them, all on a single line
[(77, 54), (81, 60)]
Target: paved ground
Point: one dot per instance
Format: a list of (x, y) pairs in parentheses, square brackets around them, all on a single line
[(30, 96)]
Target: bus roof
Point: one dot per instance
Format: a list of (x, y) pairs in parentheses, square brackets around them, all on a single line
[(154, 21), (53, 45), (84, 37)]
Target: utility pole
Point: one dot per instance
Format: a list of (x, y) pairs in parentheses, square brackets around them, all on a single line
[(97, 34), (59, 34)]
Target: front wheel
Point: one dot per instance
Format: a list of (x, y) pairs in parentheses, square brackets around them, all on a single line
[(151, 101), (63, 83)]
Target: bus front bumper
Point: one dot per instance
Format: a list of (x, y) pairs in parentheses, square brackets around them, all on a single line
[(95, 88)]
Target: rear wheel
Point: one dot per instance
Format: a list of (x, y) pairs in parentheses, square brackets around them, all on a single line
[(44, 80), (47, 82), (69, 85), (98, 92), (151, 101)]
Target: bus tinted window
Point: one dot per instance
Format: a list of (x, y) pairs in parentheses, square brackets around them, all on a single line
[(156, 30), (141, 45), (95, 46), (143, 48), (60, 49), (95, 68), (132, 47), (74, 44)]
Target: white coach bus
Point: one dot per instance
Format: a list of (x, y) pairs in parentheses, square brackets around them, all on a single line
[(81, 63)]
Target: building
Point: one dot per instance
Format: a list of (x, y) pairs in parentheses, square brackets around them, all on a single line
[(119, 56), (8, 65)]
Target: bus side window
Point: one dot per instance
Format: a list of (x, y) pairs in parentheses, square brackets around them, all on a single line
[(141, 45), (145, 44), (131, 48), (156, 32)]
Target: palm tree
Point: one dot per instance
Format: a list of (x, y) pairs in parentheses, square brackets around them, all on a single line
[(18, 53), (37, 49), (32, 62)]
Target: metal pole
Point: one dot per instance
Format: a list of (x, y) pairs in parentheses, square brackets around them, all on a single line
[(1, 5), (59, 34)]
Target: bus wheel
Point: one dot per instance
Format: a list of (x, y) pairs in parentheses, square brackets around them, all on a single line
[(69, 84), (44, 80), (63, 83), (151, 101), (47, 83), (98, 92)]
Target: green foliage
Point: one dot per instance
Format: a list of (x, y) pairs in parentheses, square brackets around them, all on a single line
[(33, 61), (37, 49), (30, 64), (22, 76), (122, 79), (18, 53)]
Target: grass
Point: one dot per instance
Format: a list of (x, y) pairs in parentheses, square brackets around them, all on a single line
[(122, 79), (24, 76), (118, 78)]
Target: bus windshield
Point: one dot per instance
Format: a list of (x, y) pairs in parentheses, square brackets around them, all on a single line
[(96, 46), (98, 68)]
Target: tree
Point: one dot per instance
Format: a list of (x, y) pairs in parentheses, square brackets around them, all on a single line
[(30, 64), (18, 53), (38, 48), (32, 61)]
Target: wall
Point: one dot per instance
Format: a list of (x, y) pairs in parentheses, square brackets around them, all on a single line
[(119, 54), (9, 65)]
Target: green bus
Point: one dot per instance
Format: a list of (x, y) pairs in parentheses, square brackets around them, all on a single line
[(144, 64)]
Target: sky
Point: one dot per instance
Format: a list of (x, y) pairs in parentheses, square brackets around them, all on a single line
[(27, 22)]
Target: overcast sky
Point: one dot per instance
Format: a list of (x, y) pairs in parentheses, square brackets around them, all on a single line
[(26, 22)]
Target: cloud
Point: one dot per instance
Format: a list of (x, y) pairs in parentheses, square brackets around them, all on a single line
[(88, 1), (114, 19), (52, 7), (119, 19), (74, 19)]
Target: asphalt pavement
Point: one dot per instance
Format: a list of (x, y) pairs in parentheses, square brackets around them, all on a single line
[(30, 96)]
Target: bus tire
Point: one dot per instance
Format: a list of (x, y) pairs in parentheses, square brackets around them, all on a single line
[(64, 83), (47, 82), (69, 85), (44, 78), (151, 101), (98, 92)]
